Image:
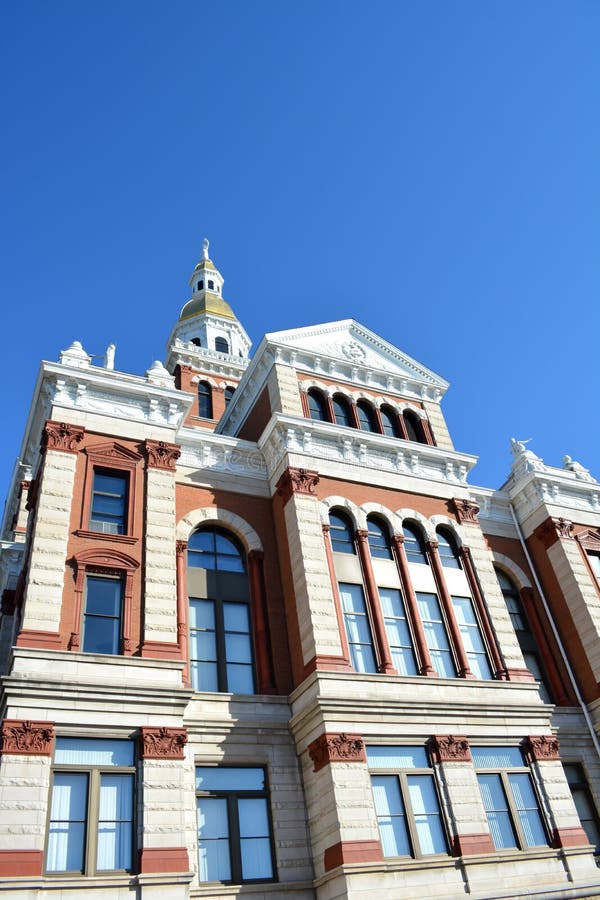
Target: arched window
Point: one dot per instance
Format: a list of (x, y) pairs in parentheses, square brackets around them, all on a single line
[(229, 392), (379, 538), (196, 341), (414, 429), (342, 411), (220, 621), (221, 345), (205, 408), (200, 285), (366, 416), (414, 545), (525, 637), (317, 405), (447, 549), (389, 420), (211, 285), (341, 531)]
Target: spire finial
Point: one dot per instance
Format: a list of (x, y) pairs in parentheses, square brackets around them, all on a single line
[(205, 243)]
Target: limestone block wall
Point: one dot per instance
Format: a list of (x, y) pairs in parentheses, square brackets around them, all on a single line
[(160, 589), (580, 596), (45, 581), (461, 799), (166, 802), (24, 791), (438, 425), (284, 392), (319, 631)]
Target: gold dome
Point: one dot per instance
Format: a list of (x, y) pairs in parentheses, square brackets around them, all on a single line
[(208, 302)]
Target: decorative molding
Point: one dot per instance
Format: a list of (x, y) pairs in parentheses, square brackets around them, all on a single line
[(27, 738), (336, 748), (450, 748), (589, 540), (180, 548), (61, 436), (542, 748), (466, 511), (162, 455), (297, 481), (163, 743), (553, 530)]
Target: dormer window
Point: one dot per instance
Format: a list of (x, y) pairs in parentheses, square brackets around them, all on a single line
[(211, 285), (200, 285)]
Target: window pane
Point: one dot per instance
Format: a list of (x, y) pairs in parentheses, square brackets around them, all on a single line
[(103, 596), (390, 422), (213, 840), (398, 632), (379, 542), (316, 406), (413, 547), (101, 635), (496, 809), (435, 634), (203, 646), (527, 808), (427, 814), (447, 552), (366, 415), (202, 614), (66, 836), (204, 676), (471, 637), (341, 534), (109, 494), (358, 629), (228, 778), (255, 838), (236, 617), (115, 822), (391, 816), (240, 678), (93, 752), (497, 757), (341, 410), (397, 758), (237, 648)]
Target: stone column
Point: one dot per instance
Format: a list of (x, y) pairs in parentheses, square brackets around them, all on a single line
[(160, 591), (49, 537), (24, 790), (264, 663)]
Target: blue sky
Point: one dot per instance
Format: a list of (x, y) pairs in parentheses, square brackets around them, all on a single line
[(428, 168)]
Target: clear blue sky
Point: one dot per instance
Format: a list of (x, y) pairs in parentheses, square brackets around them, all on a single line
[(431, 169)]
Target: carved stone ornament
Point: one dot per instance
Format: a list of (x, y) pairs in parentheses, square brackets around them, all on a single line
[(180, 547), (62, 436), (297, 481), (26, 738), (162, 455), (554, 529), (542, 748), (163, 743), (450, 748), (466, 511), (336, 748)]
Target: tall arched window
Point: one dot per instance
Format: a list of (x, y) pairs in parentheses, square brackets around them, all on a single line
[(379, 538), (205, 407), (389, 420), (525, 637), (447, 549), (414, 429), (229, 392), (342, 411), (220, 621), (342, 533), (221, 345), (414, 544), (366, 416), (317, 405)]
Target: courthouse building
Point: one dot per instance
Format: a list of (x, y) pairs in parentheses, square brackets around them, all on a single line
[(262, 637)]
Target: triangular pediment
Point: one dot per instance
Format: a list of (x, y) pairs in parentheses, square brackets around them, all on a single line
[(110, 450), (589, 539), (351, 342)]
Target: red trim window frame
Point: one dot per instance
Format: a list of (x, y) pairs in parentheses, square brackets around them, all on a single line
[(111, 563), (116, 458)]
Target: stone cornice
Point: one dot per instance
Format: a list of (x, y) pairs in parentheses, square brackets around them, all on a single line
[(220, 453), (184, 353), (553, 488), (323, 442)]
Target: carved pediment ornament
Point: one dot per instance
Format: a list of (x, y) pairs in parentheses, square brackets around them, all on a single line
[(589, 539), (451, 748), (162, 455), (466, 511), (113, 452), (542, 748), (336, 748), (163, 743), (27, 738), (297, 481), (62, 436)]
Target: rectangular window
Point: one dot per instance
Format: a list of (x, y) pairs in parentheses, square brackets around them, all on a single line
[(109, 502), (584, 803), (398, 632), (406, 802), (91, 809), (234, 825), (221, 647), (103, 614), (436, 635), (509, 798), (471, 637), (358, 628)]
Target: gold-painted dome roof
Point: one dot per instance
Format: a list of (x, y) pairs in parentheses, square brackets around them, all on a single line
[(206, 264), (208, 302)]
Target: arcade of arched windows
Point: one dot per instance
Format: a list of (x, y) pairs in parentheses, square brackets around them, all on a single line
[(408, 595), (373, 414)]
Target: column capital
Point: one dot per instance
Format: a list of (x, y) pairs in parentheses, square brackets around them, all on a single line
[(450, 748), (553, 530), (341, 747), (542, 748), (162, 455), (61, 436), (466, 511), (27, 738), (162, 743), (180, 547), (297, 481)]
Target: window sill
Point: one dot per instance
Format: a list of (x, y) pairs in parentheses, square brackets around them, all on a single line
[(101, 535)]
